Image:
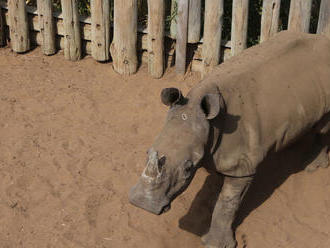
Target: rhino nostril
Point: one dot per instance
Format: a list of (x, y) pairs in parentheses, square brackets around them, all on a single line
[(161, 163)]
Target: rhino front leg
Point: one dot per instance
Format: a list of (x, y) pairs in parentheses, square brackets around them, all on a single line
[(221, 234), (318, 157)]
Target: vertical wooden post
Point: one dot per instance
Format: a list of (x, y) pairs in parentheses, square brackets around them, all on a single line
[(72, 36), (323, 26), (300, 15), (194, 25), (18, 26), (239, 26), (47, 26), (181, 36), (2, 28), (212, 34), (100, 14), (156, 23), (174, 8), (270, 19), (123, 47)]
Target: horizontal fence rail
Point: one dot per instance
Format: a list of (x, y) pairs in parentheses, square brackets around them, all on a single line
[(125, 41)]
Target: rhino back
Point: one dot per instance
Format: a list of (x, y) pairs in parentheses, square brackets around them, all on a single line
[(278, 90)]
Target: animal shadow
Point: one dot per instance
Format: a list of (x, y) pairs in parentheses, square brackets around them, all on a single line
[(271, 173), (199, 216)]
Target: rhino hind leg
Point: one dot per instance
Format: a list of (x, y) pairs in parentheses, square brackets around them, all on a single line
[(221, 234), (319, 156)]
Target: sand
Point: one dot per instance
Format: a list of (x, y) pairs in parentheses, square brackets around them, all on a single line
[(73, 140)]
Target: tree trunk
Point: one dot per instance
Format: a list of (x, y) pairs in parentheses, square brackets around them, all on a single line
[(270, 18), (156, 22), (46, 26), (100, 14), (300, 15), (324, 19), (182, 35), (194, 25), (123, 47), (18, 26), (239, 26), (72, 37), (212, 34)]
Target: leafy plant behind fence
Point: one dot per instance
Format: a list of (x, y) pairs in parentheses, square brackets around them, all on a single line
[(255, 11)]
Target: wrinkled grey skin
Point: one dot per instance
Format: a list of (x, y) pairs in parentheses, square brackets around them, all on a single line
[(238, 117), (173, 158)]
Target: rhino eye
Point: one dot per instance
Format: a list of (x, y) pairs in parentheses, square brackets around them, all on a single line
[(188, 166)]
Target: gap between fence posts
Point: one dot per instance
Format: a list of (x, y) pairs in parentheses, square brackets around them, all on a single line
[(323, 26), (300, 15), (46, 26), (174, 9), (100, 16), (194, 22), (181, 36), (123, 47), (212, 34), (239, 26), (2, 28), (156, 26), (269, 19), (72, 36), (18, 26)]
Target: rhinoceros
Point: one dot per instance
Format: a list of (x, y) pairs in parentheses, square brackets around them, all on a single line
[(251, 105)]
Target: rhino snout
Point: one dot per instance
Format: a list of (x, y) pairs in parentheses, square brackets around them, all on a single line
[(148, 201)]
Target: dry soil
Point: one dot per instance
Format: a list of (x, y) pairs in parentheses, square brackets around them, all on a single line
[(73, 140)]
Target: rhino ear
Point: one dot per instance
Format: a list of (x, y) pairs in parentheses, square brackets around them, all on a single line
[(212, 104), (170, 96)]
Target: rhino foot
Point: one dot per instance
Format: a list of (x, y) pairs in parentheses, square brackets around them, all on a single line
[(219, 241), (317, 161)]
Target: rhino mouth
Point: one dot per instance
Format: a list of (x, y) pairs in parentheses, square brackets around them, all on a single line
[(166, 209), (145, 201)]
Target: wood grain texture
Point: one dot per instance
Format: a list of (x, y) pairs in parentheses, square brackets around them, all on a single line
[(46, 26), (100, 14), (123, 47), (72, 36), (19, 27), (194, 22), (239, 26), (324, 19), (270, 19), (182, 36), (156, 26), (300, 15), (212, 34)]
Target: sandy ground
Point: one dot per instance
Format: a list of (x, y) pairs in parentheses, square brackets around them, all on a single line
[(73, 140)]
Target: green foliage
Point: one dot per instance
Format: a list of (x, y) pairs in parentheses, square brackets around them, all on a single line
[(84, 7), (255, 11)]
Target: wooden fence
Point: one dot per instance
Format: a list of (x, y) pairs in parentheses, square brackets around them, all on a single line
[(123, 39)]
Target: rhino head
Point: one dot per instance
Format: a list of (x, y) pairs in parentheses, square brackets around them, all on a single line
[(174, 157)]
